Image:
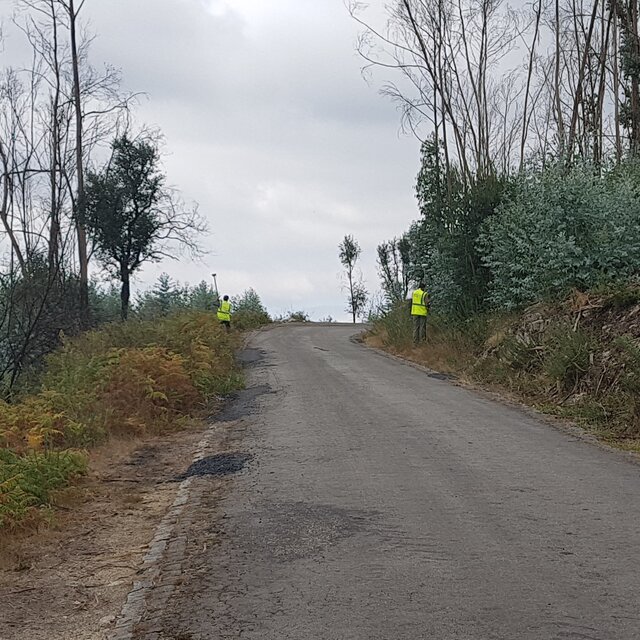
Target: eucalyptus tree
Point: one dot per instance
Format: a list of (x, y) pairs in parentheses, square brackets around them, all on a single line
[(348, 252), (394, 263)]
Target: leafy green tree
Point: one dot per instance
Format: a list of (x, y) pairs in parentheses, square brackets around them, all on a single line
[(443, 243), (165, 297), (131, 215), (297, 316), (202, 297), (248, 301), (348, 252), (394, 258), (104, 303), (248, 310)]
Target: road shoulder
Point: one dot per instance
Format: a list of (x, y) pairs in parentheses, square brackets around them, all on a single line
[(505, 398)]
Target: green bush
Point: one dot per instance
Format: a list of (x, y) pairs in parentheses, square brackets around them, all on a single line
[(562, 229), (126, 378), (396, 326), (630, 383), (443, 245), (519, 354), (248, 311), (619, 296), (245, 319), (28, 481), (296, 316), (129, 377)]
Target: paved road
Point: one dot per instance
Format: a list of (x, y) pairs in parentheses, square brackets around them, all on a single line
[(384, 504)]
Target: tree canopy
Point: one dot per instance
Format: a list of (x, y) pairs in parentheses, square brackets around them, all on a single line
[(130, 213)]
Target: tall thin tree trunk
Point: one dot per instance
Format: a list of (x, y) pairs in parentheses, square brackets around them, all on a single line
[(125, 292), (434, 77), (577, 99), (599, 135), (616, 86), (557, 83), (83, 258), (16, 251), (54, 229), (441, 81), (525, 117), (635, 82), (353, 306)]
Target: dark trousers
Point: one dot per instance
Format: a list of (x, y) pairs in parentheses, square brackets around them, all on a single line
[(227, 325), (419, 329)]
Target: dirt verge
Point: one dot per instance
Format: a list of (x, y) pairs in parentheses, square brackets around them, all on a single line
[(68, 581)]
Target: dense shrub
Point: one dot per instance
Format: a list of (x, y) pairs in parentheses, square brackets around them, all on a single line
[(443, 243), (568, 357), (134, 376), (295, 316), (248, 311), (563, 229), (127, 378), (35, 306), (395, 326), (27, 482), (145, 390)]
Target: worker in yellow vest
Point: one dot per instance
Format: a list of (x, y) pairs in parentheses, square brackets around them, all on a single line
[(224, 313), (419, 311)]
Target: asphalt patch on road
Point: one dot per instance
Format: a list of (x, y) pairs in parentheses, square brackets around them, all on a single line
[(222, 464), (295, 530), (242, 403), (250, 357), (440, 376)]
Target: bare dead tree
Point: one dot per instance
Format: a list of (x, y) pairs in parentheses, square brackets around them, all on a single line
[(83, 256), (526, 116), (40, 292), (578, 96), (447, 52), (564, 101)]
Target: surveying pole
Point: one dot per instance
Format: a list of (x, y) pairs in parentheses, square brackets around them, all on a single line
[(215, 284)]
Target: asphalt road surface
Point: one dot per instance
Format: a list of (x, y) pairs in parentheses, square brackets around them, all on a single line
[(382, 503)]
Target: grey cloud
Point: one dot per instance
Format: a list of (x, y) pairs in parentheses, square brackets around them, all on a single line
[(271, 128)]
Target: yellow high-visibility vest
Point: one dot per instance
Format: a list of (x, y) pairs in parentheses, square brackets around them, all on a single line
[(418, 306), (224, 311)]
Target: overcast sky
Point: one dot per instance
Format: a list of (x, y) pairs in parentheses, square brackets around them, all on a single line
[(271, 128)]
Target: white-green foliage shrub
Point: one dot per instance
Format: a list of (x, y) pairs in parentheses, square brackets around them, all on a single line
[(561, 229)]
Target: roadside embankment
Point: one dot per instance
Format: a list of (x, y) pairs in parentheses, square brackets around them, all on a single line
[(578, 359), (124, 381)]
